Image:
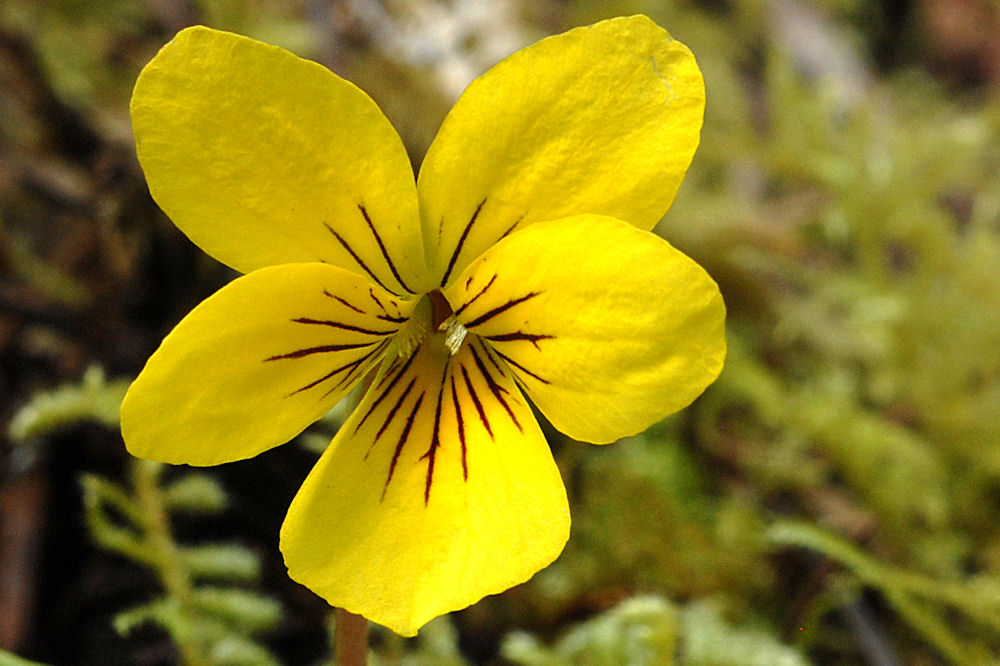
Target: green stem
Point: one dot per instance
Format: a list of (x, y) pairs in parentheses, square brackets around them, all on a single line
[(174, 577), (350, 639)]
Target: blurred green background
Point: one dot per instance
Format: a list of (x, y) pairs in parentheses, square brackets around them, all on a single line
[(832, 499)]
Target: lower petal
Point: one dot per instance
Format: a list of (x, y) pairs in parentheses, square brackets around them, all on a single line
[(257, 362), (439, 490), (607, 327)]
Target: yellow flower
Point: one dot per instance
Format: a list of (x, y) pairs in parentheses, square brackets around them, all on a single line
[(519, 263)]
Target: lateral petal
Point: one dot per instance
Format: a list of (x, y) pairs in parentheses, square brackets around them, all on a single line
[(601, 119), (257, 362), (439, 490), (263, 158), (607, 327)]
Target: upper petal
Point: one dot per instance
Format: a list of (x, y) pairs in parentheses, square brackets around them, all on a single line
[(607, 327), (439, 490), (263, 158), (257, 362), (602, 119)]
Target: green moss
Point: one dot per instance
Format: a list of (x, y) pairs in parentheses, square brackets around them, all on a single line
[(850, 211)]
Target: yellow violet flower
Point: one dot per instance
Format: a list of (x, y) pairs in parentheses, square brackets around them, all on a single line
[(519, 263)]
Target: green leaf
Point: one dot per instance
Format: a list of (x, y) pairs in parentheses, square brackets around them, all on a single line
[(9, 659), (221, 562), (93, 399), (247, 610), (640, 631), (926, 603), (709, 639), (118, 533), (236, 650), (196, 492)]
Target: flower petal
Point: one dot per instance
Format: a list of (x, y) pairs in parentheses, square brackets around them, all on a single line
[(602, 119), (257, 362), (263, 158), (608, 328), (440, 489)]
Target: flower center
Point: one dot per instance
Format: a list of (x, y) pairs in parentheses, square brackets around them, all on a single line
[(440, 309), (432, 314), (408, 338), (443, 319)]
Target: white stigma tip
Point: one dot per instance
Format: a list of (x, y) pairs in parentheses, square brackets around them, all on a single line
[(454, 334)]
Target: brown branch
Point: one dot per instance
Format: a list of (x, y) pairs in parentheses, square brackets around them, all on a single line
[(69, 131)]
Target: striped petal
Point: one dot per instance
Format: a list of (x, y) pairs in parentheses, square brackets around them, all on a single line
[(607, 327), (257, 362), (601, 119), (440, 489), (263, 158)]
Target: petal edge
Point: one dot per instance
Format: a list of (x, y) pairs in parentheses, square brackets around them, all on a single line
[(238, 148), (256, 363), (432, 495), (601, 119), (607, 327)]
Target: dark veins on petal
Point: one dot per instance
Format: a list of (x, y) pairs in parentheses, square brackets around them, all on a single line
[(465, 234), (396, 376), (401, 401), (490, 357), (436, 440), (511, 362), (402, 440), (392, 415), (513, 336), (341, 326), (477, 402), (343, 302), (500, 309), (472, 300), (354, 368), (381, 245), (358, 260), (348, 371), (320, 349), (385, 315), (510, 228), (461, 242), (461, 428), (495, 388), (533, 338), (385, 253)]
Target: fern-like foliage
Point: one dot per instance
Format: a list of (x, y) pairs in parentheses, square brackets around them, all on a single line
[(210, 619)]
